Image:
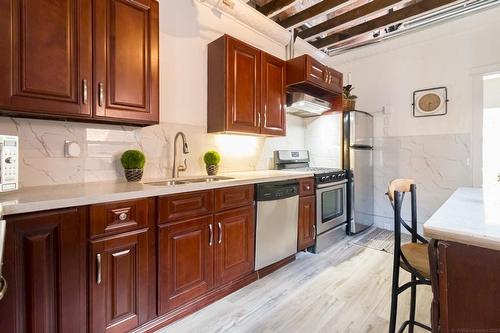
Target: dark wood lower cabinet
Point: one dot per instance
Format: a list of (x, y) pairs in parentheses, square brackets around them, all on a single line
[(307, 222), (118, 279), (185, 261), (465, 283), (45, 268), (235, 250)]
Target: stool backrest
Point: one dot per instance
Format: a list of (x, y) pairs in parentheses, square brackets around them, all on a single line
[(396, 194)]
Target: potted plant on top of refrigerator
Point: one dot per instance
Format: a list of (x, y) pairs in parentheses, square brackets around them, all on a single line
[(349, 100)]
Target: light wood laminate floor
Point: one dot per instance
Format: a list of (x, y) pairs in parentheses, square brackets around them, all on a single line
[(344, 289)]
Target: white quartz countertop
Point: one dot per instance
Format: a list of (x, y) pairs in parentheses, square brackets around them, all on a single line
[(470, 216), (32, 199)]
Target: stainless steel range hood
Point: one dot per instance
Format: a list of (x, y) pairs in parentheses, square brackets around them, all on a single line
[(303, 105)]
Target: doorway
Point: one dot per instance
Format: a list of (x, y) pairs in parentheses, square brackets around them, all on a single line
[(491, 129)]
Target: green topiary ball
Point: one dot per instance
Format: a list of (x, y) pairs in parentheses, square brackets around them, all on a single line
[(133, 159), (211, 157)]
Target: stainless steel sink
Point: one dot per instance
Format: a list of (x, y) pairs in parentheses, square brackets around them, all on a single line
[(173, 182)]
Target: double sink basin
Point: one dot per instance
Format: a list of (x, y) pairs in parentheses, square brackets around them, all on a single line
[(173, 182)]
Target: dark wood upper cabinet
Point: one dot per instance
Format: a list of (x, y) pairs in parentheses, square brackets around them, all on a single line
[(307, 222), (45, 264), (185, 261), (126, 60), (305, 74), (238, 99), (273, 95), (46, 58), (119, 282), (80, 59), (234, 254)]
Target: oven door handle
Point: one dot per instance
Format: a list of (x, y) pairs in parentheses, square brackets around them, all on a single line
[(322, 186)]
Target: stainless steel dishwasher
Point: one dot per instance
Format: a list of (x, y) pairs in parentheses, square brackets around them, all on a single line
[(277, 222)]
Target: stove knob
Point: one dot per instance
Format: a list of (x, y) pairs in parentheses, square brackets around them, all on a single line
[(323, 178), (334, 177), (327, 178)]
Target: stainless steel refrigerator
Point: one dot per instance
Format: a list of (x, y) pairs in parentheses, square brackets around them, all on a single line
[(358, 160)]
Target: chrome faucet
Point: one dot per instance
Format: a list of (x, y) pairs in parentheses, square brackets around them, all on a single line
[(185, 150)]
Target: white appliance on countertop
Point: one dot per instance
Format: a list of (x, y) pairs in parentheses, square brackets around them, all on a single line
[(9, 163)]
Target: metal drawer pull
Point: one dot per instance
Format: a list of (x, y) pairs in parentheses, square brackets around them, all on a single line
[(211, 241), (101, 94), (85, 91), (220, 232), (314, 231), (98, 262), (123, 216)]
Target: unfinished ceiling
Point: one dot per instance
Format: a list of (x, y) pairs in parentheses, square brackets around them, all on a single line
[(335, 26)]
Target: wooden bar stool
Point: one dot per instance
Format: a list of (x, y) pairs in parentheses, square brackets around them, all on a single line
[(412, 257)]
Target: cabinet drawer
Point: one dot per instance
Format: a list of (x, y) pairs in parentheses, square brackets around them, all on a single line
[(233, 197), (306, 187), (113, 217), (186, 205)]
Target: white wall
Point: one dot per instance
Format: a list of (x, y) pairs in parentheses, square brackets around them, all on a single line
[(491, 92), (437, 151)]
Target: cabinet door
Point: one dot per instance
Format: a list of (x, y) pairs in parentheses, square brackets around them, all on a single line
[(45, 269), (185, 261), (119, 285), (273, 95), (335, 81), (307, 222), (316, 72), (126, 60), (46, 57), (234, 256), (243, 102)]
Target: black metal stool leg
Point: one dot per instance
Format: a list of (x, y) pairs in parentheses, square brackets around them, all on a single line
[(394, 296), (413, 303)]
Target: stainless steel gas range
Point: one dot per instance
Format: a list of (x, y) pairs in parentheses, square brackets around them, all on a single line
[(331, 195)]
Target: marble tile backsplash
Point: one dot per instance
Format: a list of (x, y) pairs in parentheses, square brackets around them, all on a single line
[(439, 164), (42, 160)]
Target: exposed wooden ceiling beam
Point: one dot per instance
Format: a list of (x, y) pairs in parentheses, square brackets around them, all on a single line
[(351, 15), (382, 21), (273, 6), (310, 12)]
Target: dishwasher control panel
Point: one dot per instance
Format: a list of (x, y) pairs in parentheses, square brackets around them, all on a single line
[(277, 190)]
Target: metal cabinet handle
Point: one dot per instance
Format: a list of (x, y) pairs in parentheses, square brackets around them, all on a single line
[(98, 264), (258, 119), (122, 216), (3, 287), (308, 187), (314, 231), (265, 117), (85, 91), (101, 93), (327, 75), (220, 232), (211, 241), (3, 282)]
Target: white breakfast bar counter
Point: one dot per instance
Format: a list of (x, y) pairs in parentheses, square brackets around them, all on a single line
[(470, 216), (40, 198), (464, 260)]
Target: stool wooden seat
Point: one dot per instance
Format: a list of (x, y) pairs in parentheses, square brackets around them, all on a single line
[(418, 257), (412, 257)]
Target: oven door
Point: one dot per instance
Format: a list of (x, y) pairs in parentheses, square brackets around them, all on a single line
[(331, 206)]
